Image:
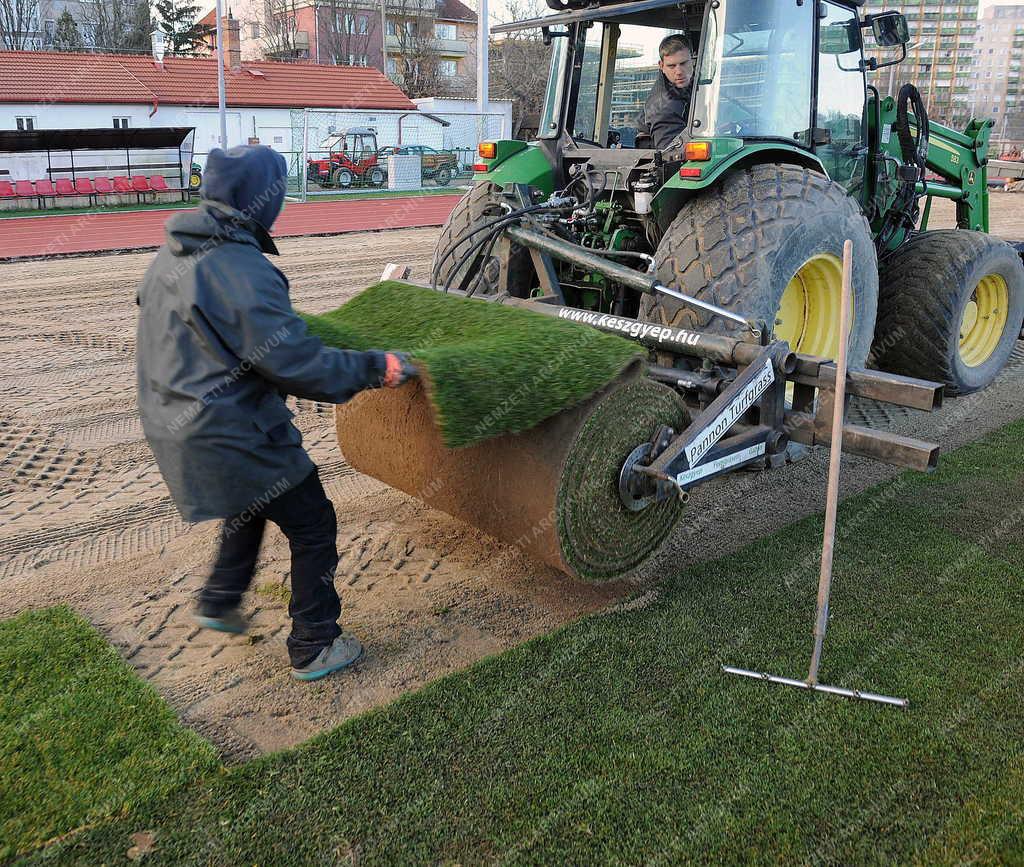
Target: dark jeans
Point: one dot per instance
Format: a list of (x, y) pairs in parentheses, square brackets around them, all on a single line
[(307, 519)]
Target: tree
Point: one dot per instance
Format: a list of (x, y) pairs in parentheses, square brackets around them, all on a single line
[(19, 21), (181, 30), (115, 25), (518, 66), (417, 60), (279, 29), (349, 32), (66, 36)]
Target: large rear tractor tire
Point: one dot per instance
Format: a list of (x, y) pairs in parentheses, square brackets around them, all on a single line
[(474, 210), (767, 243), (950, 310)]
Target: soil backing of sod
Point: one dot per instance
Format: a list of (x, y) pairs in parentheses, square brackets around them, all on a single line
[(619, 739), (81, 737)]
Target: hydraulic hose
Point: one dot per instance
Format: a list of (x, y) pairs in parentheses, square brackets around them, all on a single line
[(493, 229), (903, 212)]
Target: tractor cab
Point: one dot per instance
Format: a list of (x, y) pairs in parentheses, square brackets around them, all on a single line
[(768, 75), (772, 152), (351, 159)]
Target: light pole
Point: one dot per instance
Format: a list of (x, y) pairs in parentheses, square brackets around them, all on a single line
[(220, 80), (482, 40), (384, 36)]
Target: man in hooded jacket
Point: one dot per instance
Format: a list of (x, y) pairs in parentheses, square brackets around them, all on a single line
[(219, 348)]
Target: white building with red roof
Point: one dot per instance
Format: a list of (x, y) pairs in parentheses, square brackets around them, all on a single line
[(265, 100)]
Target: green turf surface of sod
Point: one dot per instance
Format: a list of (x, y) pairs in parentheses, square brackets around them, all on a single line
[(490, 369), (617, 738), (81, 737)]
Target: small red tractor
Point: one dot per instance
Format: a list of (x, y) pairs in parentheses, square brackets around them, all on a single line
[(351, 159)]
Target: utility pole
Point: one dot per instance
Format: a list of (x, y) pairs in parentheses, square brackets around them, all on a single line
[(221, 108)]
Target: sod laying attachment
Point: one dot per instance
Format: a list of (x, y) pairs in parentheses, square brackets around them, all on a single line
[(541, 425)]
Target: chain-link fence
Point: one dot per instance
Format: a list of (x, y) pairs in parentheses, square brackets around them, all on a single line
[(337, 151)]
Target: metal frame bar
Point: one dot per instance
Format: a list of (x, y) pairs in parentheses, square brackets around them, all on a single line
[(690, 448)]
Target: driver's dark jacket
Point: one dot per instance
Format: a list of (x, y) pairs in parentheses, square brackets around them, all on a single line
[(665, 114)]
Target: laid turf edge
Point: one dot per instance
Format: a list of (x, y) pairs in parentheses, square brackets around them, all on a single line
[(82, 738)]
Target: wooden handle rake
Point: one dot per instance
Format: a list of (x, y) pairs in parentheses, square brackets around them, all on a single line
[(831, 506)]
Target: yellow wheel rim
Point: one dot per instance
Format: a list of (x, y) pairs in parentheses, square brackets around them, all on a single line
[(808, 317), (984, 320)]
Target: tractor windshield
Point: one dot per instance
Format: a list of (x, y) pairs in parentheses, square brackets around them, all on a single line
[(755, 70)]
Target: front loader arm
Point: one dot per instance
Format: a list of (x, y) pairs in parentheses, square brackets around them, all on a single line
[(959, 158)]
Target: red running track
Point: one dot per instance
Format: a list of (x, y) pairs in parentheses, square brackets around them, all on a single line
[(132, 230)]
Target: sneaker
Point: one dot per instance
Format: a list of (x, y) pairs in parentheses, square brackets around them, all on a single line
[(232, 621), (340, 654)]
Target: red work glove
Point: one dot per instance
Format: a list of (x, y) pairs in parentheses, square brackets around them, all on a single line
[(399, 369)]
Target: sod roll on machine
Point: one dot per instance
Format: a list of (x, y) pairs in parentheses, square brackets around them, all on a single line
[(609, 328)]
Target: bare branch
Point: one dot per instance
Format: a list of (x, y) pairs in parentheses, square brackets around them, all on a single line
[(19, 23)]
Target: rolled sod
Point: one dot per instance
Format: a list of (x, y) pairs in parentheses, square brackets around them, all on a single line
[(551, 490), (489, 369), (520, 425)]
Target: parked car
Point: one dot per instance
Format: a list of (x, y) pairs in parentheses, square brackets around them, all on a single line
[(435, 165)]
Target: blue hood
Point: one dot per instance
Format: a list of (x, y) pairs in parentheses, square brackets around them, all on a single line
[(249, 178)]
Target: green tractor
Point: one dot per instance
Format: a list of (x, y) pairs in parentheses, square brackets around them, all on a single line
[(787, 152)]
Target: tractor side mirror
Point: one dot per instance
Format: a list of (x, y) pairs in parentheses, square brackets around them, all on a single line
[(890, 29), (840, 38)]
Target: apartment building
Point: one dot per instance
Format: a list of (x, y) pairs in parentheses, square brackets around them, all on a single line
[(348, 32), (995, 79), (943, 37)]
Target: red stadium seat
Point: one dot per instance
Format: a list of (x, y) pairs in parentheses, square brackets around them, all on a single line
[(44, 187), (24, 190), (84, 187), (65, 187), (6, 190), (103, 186), (140, 184), (159, 184), (123, 185)]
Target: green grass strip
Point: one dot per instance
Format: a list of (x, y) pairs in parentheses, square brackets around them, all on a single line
[(618, 739), (490, 369), (81, 737)]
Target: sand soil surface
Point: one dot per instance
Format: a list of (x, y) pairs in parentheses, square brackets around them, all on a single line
[(85, 518)]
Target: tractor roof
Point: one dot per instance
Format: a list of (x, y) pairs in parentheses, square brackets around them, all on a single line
[(642, 12)]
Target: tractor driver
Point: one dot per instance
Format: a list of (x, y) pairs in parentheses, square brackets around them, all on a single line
[(663, 119)]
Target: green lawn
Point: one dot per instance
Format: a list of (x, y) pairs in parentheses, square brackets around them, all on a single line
[(619, 739), (391, 194), (81, 737)]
